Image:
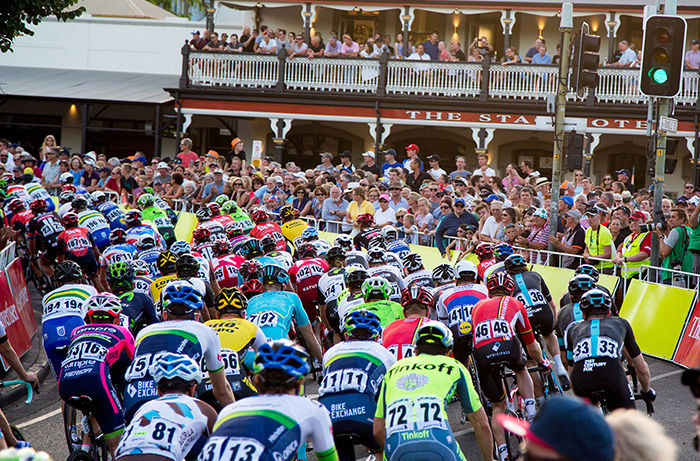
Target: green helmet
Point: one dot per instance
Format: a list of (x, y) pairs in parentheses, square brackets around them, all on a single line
[(148, 190), (3, 184), (221, 199), (120, 275), (374, 286), (228, 207), (145, 200), (24, 454)]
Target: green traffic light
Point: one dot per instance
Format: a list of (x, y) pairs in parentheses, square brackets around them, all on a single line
[(658, 75)]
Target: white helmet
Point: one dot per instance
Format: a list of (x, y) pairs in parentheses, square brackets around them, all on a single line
[(66, 177), (390, 233), (98, 196), (463, 269)]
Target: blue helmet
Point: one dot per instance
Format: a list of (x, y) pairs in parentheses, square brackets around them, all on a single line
[(180, 247), (363, 319), (309, 233), (181, 293), (274, 274), (502, 251), (588, 269), (181, 366), (282, 355)]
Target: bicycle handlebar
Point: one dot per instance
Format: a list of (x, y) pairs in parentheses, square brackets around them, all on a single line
[(647, 401), (30, 391)]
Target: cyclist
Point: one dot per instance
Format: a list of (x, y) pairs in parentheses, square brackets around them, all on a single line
[(365, 222), (42, 233), (142, 279), (203, 242), (310, 235), (19, 216), (484, 251), (223, 219), (349, 298), (283, 257), (180, 247), (250, 269), (352, 372), (188, 268), (135, 228), (215, 228), (110, 210), (264, 227), (332, 283), (533, 293), (571, 313), (36, 192), (595, 348), (75, 244), (117, 251), (304, 276), (500, 324), (63, 311), (274, 310), (174, 426), (98, 355), (400, 336), (393, 243), (252, 288), (167, 268), (454, 307), (65, 199), (137, 307), (415, 271), (158, 216), (292, 226), (93, 221), (411, 420), (443, 276), (353, 257), (376, 292), (378, 267), (225, 265), (147, 250), (241, 218), (235, 235), (500, 252), (180, 333), (591, 270), (275, 424), (238, 336)]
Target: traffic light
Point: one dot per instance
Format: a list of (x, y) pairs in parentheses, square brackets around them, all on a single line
[(584, 58), (662, 56)]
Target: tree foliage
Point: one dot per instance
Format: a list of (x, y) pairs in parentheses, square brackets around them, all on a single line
[(16, 15)]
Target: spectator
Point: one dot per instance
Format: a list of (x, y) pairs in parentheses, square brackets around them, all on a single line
[(474, 55), (627, 57), (326, 163), (214, 44), (450, 223), (420, 55), (456, 53), (335, 209), (409, 229), (557, 56), (483, 169), (694, 245), (76, 169), (416, 177), (692, 56), (623, 176), (673, 248), (511, 57), (411, 152), (247, 40), (538, 236), (368, 50), (358, 205), (333, 48), (234, 46), (89, 178), (430, 47), (349, 48), (482, 44), (51, 171), (259, 38), (389, 161), (435, 171), (186, 154), (635, 250), (599, 240), (298, 48), (528, 169), (530, 54), (398, 47), (266, 45), (572, 241), (316, 48), (213, 189), (128, 182), (164, 175), (114, 181), (443, 54), (301, 201), (492, 223), (640, 438), (542, 57), (395, 200), (197, 43), (384, 216), (370, 166), (346, 165), (48, 144), (424, 219), (623, 214), (387, 45), (460, 172)]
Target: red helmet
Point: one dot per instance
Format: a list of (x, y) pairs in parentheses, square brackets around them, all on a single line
[(416, 294), (251, 288), (70, 188), (69, 220), (483, 249), (260, 216), (16, 205), (214, 208), (221, 247), (365, 218), (251, 269), (500, 280), (37, 205), (201, 234), (306, 251)]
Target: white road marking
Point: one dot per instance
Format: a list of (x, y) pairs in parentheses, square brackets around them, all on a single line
[(39, 419), (666, 375), (465, 431)]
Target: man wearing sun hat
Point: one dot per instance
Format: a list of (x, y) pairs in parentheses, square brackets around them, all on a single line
[(538, 237), (635, 249)]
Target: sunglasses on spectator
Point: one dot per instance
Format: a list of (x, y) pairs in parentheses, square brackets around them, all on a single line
[(579, 174), (236, 184), (298, 39), (399, 216), (607, 179), (444, 207), (320, 194), (459, 205), (688, 186), (154, 162), (394, 188)]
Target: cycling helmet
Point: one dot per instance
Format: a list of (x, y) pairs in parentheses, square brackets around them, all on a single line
[(500, 281), (588, 269), (149, 190), (306, 251), (133, 218), (166, 262), (288, 212), (360, 321), (67, 177), (120, 271), (268, 244), (3, 183), (141, 267), (580, 284), (502, 251), (16, 205), (390, 233), (103, 304), (98, 196), (230, 300), (376, 256), (69, 188), (233, 229), (221, 199), (67, 270), (251, 248), (335, 254), (412, 262), (376, 242), (180, 247), (69, 220), (171, 366), (365, 218), (416, 294), (180, 296), (221, 248), (214, 208), (514, 264), (355, 276), (252, 287), (443, 273), (374, 286), (285, 356), (79, 203), (38, 205), (251, 269), (274, 274), (432, 332), (228, 207), (66, 196), (24, 454), (465, 270), (309, 233), (145, 200), (203, 214), (117, 236), (187, 265), (344, 241), (260, 216), (201, 234), (595, 302), (483, 251), (145, 242)]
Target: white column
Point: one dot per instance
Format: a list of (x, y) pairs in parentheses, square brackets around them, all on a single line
[(285, 128)]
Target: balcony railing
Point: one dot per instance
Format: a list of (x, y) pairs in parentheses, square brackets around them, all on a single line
[(384, 76)]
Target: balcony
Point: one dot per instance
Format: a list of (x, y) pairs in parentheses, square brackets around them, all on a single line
[(384, 77)]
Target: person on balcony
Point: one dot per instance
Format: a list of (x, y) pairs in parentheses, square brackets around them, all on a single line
[(529, 56), (316, 48), (431, 47), (484, 169), (214, 44), (267, 45), (474, 55), (692, 56), (349, 48), (247, 39), (299, 48), (333, 48), (444, 54), (197, 43), (482, 44), (456, 53), (421, 55), (511, 57), (369, 49), (259, 38), (398, 46), (627, 57), (542, 57)]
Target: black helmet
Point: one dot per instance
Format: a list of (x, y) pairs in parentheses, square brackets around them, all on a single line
[(595, 302), (166, 262), (377, 241), (79, 202), (273, 273), (579, 285), (268, 244), (335, 254), (443, 273), (187, 266), (588, 270), (230, 300), (68, 270), (355, 276), (515, 264)]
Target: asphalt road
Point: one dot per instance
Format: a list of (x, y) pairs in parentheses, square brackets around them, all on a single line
[(42, 424)]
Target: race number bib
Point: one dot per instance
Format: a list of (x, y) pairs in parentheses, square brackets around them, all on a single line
[(351, 379), (238, 449), (407, 350), (162, 221), (535, 296), (141, 365), (407, 415), (605, 347), (85, 351), (494, 328), (230, 360), (64, 305), (459, 314), (264, 319)]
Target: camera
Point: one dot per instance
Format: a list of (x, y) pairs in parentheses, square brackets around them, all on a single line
[(662, 226)]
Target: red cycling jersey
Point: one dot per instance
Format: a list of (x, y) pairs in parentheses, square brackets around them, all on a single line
[(483, 265), (304, 275), (399, 337), (20, 220), (224, 220), (226, 270), (76, 241), (500, 319), (273, 230)]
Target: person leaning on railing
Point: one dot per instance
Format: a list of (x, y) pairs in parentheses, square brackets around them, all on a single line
[(674, 242), (599, 240), (635, 249)]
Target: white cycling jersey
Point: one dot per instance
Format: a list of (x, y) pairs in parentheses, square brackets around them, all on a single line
[(66, 300), (331, 284), (393, 275), (422, 277)]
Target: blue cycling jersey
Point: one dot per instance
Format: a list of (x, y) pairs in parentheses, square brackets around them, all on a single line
[(133, 234), (113, 214), (35, 191), (273, 312), (151, 258), (121, 252), (398, 246), (97, 225), (139, 308)]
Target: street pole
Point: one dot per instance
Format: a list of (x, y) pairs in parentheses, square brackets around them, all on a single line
[(209, 11), (566, 26)]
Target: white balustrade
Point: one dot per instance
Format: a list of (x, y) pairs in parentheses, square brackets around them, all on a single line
[(522, 81), (234, 70), (332, 74), (618, 86), (433, 78)]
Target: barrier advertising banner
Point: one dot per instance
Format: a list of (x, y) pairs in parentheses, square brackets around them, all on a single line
[(688, 351), (12, 320), (20, 293)]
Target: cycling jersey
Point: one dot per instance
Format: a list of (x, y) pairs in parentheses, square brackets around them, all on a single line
[(392, 259), (270, 427), (273, 230), (273, 312), (121, 252), (64, 208), (331, 284), (226, 270), (95, 363), (346, 302), (568, 316), (533, 293), (421, 278), (399, 337), (160, 219), (500, 319), (157, 288), (413, 402), (187, 337), (356, 258), (292, 231), (236, 242), (454, 309), (483, 266), (283, 259), (113, 214), (399, 247), (387, 311), (223, 219), (133, 234), (352, 372), (237, 336), (241, 217), (173, 426), (393, 276), (594, 348), (150, 256), (204, 272), (19, 191), (75, 242), (45, 229), (215, 228), (139, 309), (304, 275), (19, 221), (97, 225), (361, 240), (142, 284), (206, 250), (36, 192)]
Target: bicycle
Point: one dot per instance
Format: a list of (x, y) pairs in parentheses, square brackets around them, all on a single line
[(600, 398), (98, 446), (16, 433), (550, 381)]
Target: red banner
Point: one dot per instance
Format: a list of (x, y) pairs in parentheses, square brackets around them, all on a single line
[(16, 313), (688, 351)]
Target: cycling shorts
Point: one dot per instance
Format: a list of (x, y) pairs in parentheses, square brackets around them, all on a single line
[(436, 446), (488, 357), (56, 333), (98, 386), (49, 255), (87, 262), (542, 319), (610, 378), (352, 415), (333, 317), (243, 390), (463, 346), (101, 237)]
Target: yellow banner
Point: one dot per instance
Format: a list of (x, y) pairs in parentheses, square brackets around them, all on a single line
[(186, 222)]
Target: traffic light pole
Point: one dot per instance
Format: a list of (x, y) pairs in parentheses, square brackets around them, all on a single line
[(660, 171), (566, 26)]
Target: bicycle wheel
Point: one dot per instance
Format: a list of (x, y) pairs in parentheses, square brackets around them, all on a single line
[(80, 455), (513, 446), (73, 428), (16, 433)]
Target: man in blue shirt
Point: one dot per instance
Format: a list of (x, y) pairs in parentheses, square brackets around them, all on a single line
[(215, 188), (541, 57), (389, 161), (451, 222), (431, 47)]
